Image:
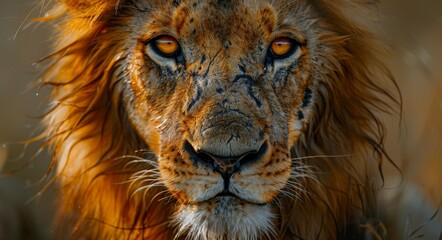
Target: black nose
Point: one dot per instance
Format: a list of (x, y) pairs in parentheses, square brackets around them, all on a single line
[(226, 165)]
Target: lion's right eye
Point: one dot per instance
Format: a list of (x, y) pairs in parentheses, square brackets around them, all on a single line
[(166, 46)]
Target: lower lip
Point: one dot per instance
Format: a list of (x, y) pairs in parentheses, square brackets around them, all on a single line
[(228, 194), (222, 195)]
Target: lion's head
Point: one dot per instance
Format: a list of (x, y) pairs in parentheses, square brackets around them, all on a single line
[(216, 119)]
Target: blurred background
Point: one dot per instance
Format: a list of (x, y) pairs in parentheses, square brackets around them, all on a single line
[(23, 213), (413, 26)]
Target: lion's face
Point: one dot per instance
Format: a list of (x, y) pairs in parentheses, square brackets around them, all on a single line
[(263, 117), (220, 91)]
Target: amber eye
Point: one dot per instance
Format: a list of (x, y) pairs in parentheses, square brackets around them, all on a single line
[(166, 46), (282, 47)]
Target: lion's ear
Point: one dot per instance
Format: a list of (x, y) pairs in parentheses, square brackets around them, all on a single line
[(91, 6)]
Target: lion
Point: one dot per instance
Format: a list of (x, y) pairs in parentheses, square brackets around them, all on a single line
[(210, 119)]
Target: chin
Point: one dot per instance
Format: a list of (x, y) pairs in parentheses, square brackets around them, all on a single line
[(225, 217)]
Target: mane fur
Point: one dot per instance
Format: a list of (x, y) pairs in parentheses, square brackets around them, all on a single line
[(97, 152)]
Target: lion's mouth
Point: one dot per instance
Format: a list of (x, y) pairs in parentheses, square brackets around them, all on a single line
[(222, 198), (228, 195), (226, 167)]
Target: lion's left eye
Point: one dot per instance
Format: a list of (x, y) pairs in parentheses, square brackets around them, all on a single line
[(282, 47), (166, 46)]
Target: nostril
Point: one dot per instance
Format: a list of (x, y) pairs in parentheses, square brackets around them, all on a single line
[(252, 157), (198, 157), (225, 165)]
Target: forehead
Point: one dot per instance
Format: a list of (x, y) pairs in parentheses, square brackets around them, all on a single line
[(223, 19)]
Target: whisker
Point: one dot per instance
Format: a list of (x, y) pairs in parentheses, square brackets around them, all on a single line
[(322, 156)]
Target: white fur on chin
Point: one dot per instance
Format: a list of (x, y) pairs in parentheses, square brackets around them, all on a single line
[(225, 218)]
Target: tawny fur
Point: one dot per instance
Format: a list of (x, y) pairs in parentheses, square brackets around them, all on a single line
[(118, 167)]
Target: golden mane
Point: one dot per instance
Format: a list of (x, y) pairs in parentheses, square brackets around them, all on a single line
[(96, 149)]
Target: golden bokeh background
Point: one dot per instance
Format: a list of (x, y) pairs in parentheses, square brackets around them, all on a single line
[(414, 28)]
